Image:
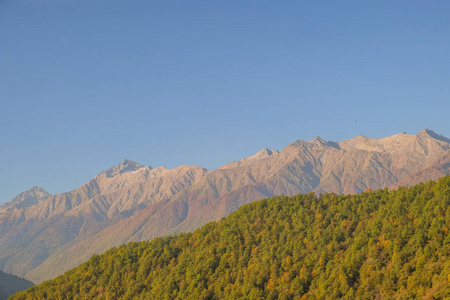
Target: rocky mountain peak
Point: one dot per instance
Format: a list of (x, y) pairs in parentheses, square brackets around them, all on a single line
[(319, 141), (26, 199), (125, 166), (37, 190), (263, 154), (427, 133)]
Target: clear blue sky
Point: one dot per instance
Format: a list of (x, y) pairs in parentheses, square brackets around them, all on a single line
[(86, 84)]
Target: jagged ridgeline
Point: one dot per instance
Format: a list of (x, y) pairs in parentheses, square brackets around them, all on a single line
[(378, 244)]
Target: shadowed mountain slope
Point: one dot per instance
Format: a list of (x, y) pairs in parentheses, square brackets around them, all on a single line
[(10, 284)]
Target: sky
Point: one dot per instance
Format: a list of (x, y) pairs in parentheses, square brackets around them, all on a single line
[(87, 84)]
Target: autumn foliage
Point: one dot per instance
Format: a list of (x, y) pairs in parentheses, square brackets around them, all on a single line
[(375, 245)]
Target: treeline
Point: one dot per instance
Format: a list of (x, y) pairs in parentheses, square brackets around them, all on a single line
[(376, 245)]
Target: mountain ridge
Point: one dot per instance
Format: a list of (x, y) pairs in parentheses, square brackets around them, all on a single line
[(124, 166), (25, 199), (140, 202), (381, 244)]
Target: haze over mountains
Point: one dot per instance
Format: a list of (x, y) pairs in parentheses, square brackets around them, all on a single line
[(41, 235)]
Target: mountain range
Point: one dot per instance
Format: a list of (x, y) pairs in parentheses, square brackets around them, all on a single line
[(43, 235), (382, 244)]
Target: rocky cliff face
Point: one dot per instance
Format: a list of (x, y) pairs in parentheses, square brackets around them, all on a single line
[(129, 202)]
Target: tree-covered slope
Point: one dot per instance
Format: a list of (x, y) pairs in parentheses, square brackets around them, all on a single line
[(378, 244), (42, 238)]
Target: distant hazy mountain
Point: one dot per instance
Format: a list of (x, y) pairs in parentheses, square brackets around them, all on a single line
[(129, 202), (10, 284)]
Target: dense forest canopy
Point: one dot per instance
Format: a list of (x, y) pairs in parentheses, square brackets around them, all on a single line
[(377, 244)]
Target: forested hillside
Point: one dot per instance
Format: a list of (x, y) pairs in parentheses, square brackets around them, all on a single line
[(377, 244), (42, 236)]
